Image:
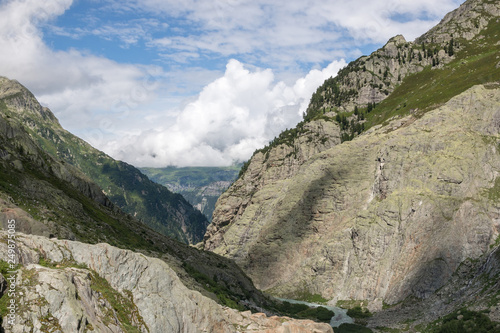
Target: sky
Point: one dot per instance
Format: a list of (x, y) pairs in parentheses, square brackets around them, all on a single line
[(192, 83)]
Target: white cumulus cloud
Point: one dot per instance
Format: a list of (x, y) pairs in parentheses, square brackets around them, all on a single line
[(232, 116), (181, 108)]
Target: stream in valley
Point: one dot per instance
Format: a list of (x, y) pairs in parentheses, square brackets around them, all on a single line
[(338, 319)]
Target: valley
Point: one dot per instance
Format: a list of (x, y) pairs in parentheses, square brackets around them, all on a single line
[(201, 186), (378, 212)]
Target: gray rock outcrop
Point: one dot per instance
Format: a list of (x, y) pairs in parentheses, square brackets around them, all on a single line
[(100, 288), (388, 215)]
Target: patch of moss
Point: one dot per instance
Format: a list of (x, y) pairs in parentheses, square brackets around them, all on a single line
[(302, 311), (124, 307), (50, 324), (358, 312), (7, 271)]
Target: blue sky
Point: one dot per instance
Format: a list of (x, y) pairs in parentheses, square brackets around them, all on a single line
[(164, 82)]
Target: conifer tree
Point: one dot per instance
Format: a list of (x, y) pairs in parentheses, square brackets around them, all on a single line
[(450, 48)]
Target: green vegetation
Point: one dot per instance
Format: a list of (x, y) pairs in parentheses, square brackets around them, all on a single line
[(124, 308), (358, 312), (463, 321), (352, 328), (330, 92), (494, 192), (5, 299), (287, 137), (50, 324), (50, 198), (306, 296), (224, 295), (42, 261), (302, 311)]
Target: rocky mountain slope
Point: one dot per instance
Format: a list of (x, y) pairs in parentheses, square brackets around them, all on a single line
[(67, 286), (201, 186), (122, 183), (386, 216), (375, 88), (51, 198), (70, 286), (397, 192)]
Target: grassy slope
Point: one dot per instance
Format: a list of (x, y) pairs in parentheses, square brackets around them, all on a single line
[(475, 63), (125, 185)]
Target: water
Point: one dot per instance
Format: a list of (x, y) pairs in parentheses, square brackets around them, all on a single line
[(338, 319)]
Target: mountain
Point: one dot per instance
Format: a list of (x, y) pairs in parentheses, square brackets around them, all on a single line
[(49, 197), (79, 263), (122, 183), (201, 186), (388, 187)]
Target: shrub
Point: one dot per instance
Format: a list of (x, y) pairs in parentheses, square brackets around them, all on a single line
[(357, 312)]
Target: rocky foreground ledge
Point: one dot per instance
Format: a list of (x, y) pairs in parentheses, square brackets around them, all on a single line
[(68, 286)]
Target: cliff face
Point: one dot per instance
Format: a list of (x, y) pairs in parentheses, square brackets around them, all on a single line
[(392, 213), (122, 183), (466, 22), (100, 288), (412, 73), (388, 215)]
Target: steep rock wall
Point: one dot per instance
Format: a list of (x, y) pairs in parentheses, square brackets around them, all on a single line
[(385, 216)]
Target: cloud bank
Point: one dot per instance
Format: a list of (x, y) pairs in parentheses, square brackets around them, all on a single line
[(182, 107), (231, 118)]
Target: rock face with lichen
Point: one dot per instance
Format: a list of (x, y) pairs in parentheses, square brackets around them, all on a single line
[(392, 213), (388, 215), (100, 288)]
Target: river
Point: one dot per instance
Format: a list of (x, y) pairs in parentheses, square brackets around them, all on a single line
[(338, 319)]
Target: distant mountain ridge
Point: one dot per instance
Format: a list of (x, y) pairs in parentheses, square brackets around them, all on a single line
[(201, 186), (122, 183)]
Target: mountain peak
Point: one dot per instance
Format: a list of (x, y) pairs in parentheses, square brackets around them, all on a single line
[(24, 103), (398, 40), (466, 22)]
